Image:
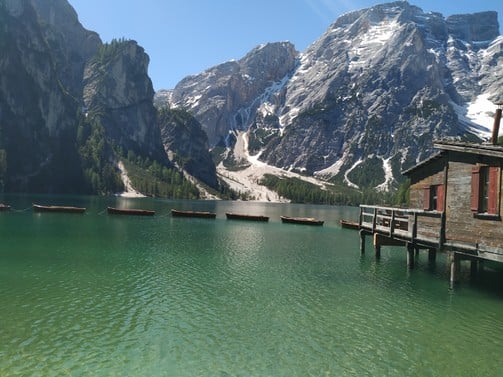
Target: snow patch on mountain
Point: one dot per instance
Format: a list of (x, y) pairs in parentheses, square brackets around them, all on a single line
[(248, 179), (361, 53), (477, 115), (388, 175), (346, 179)]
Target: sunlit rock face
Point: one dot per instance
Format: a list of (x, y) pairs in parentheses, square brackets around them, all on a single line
[(226, 97), (371, 93), (118, 89)]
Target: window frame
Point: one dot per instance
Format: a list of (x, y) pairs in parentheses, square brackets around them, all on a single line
[(485, 191), (434, 198)]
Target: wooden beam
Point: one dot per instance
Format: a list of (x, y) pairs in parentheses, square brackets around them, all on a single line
[(382, 240)]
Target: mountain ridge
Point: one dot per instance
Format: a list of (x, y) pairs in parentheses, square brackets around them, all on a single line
[(379, 85), (361, 103)]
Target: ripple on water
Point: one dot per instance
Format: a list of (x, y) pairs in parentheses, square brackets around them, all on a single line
[(182, 298)]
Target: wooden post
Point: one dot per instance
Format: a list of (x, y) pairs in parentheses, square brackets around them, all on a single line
[(392, 224), (410, 255), (432, 254), (474, 264), (362, 242), (414, 228), (377, 245), (441, 240), (374, 220), (455, 264)]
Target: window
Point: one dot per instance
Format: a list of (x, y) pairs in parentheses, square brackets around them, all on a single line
[(485, 189), (434, 198)]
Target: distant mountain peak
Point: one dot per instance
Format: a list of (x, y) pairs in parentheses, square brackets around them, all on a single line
[(377, 87)]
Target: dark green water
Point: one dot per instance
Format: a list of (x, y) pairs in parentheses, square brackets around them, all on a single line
[(102, 295)]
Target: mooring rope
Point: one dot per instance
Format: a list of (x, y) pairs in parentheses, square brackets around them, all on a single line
[(20, 210)]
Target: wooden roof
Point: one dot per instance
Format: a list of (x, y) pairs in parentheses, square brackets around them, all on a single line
[(459, 146), (471, 148), (423, 163)]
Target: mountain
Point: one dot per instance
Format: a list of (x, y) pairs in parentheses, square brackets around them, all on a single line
[(76, 114), (118, 91), (364, 101), (223, 98), (37, 112), (187, 145)]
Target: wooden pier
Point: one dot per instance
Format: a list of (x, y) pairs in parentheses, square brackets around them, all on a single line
[(456, 198), (417, 230)]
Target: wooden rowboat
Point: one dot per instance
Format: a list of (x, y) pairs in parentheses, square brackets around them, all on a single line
[(239, 216), (301, 220), (4, 207), (206, 215), (67, 209), (349, 224), (130, 211)]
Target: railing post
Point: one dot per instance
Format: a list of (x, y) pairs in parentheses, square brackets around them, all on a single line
[(374, 221), (414, 228), (392, 224)]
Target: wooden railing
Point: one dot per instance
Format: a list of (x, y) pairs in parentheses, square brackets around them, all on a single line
[(412, 225)]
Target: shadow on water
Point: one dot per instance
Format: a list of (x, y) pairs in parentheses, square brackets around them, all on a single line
[(488, 280), (392, 265)]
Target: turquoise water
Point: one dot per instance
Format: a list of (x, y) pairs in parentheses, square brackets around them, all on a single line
[(101, 295)]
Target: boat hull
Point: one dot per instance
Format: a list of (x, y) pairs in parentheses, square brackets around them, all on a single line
[(238, 216), (205, 215), (64, 209), (301, 220), (126, 211), (4, 207), (349, 224)]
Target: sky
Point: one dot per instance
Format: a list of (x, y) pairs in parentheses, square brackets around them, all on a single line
[(185, 37)]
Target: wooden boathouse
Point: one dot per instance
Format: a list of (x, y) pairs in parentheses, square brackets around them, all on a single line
[(455, 206)]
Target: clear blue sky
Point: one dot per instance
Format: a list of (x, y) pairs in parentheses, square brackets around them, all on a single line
[(184, 37)]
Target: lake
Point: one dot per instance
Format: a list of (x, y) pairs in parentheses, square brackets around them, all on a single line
[(104, 295)]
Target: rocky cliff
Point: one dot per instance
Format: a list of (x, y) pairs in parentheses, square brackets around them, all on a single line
[(37, 111), (71, 107), (225, 97), (365, 100), (187, 145), (117, 89)]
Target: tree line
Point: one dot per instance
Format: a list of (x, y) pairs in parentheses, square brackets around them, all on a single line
[(299, 191)]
